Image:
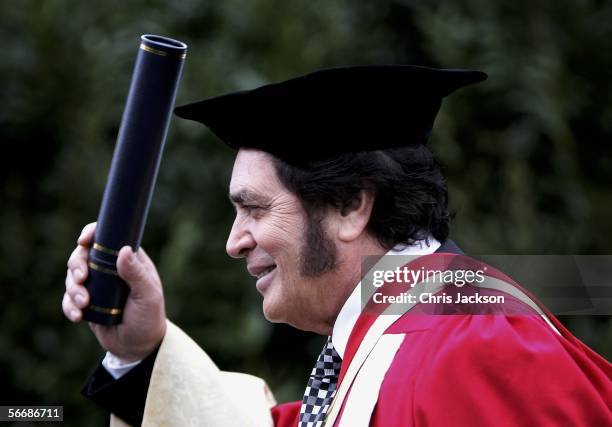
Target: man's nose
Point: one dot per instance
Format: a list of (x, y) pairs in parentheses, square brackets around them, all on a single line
[(240, 241)]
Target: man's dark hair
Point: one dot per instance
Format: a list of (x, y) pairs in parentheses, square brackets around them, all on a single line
[(410, 194)]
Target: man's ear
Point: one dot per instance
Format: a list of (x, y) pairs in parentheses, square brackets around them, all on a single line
[(353, 219)]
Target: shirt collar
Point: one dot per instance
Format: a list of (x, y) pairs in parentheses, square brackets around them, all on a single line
[(352, 307)]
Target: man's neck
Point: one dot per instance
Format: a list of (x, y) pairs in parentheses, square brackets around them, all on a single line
[(351, 309)]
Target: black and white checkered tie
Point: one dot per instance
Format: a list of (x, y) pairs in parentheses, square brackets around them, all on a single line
[(321, 387)]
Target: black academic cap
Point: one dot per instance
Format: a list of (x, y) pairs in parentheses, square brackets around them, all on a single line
[(332, 111)]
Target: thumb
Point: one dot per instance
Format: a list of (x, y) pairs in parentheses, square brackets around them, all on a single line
[(132, 270)]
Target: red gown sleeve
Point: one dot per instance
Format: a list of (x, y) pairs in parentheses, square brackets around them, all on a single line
[(510, 371), (286, 414)]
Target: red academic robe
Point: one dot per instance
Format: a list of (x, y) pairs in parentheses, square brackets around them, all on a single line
[(482, 369)]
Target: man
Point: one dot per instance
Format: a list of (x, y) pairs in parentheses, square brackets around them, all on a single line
[(332, 167)]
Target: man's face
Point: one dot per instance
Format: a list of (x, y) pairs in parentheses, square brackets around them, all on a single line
[(280, 244)]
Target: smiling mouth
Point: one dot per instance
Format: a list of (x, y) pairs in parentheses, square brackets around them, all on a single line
[(266, 272)]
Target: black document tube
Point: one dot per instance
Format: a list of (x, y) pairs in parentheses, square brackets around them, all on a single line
[(133, 171)]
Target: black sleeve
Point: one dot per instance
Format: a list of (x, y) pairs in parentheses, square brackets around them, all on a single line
[(124, 397)]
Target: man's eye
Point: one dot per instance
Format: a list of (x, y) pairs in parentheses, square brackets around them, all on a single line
[(250, 208)]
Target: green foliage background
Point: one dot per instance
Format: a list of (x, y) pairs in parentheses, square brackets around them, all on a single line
[(527, 155)]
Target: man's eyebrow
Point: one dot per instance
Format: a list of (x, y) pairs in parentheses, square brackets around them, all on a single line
[(245, 196)]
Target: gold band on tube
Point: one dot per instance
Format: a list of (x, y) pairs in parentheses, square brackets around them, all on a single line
[(161, 52), (102, 269), (104, 249), (112, 311)]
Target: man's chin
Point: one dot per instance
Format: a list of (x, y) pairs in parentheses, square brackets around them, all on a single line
[(272, 312)]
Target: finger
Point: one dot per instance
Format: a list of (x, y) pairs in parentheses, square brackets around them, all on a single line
[(87, 235), (77, 263), (71, 311), (133, 270), (144, 258), (77, 292)]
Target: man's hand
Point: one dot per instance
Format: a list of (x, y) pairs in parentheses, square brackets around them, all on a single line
[(144, 316)]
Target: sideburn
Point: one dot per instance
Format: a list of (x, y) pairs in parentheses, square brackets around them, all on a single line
[(318, 254)]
